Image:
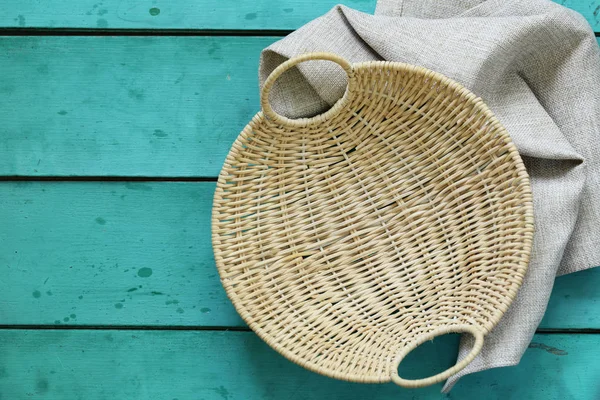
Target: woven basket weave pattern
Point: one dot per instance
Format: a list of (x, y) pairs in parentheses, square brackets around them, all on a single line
[(345, 239)]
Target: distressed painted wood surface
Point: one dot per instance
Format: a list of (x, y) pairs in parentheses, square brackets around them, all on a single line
[(575, 301), (109, 254), (124, 106), (183, 14), (139, 253), (195, 14), (124, 365)]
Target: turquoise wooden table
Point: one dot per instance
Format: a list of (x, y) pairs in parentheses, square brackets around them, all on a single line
[(116, 117)]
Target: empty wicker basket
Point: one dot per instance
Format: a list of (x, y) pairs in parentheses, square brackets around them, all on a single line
[(347, 239)]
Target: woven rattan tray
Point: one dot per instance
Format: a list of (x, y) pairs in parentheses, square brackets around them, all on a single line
[(402, 213)]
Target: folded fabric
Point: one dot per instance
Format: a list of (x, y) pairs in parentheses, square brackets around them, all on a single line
[(536, 64)]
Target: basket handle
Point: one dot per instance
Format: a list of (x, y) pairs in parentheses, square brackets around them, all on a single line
[(277, 72), (477, 333)]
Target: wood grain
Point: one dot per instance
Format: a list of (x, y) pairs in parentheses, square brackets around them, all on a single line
[(195, 14), (124, 106), (139, 253), (128, 365)]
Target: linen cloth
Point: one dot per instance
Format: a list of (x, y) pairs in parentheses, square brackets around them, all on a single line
[(536, 64)]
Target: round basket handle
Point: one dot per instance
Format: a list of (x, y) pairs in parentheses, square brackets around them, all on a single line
[(417, 383), (277, 72)]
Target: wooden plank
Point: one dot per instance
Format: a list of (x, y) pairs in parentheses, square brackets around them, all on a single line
[(195, 14), (124, 106), (590, 9), (182, 365), (575, 301), (118, 253), (184, 14), (109, 253)]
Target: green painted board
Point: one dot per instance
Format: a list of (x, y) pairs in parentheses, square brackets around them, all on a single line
[(186, 365), (575, 301), (590, 9), (118, 253), (124, 106), (127, 106), (183, 14), (109, 254), (194, 14)]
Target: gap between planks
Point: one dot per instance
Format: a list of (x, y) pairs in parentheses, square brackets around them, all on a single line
[(578, 331), (19, 178), (142, 32), (148, 32)]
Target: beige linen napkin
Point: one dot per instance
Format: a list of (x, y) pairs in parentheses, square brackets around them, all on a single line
[(536, 64)]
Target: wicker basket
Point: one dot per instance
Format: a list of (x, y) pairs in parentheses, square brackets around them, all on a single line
[(347, 239)]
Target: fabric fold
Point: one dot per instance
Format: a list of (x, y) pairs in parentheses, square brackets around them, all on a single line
[(536, 64)]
